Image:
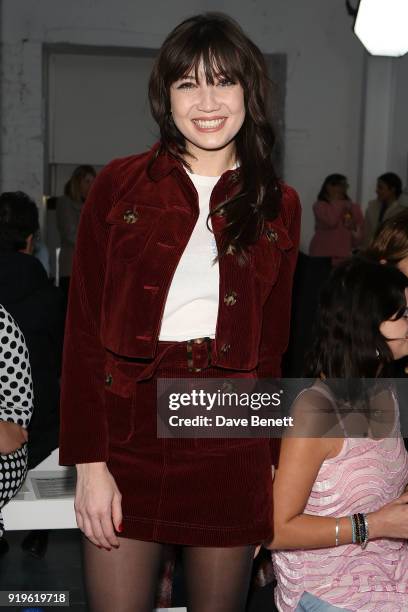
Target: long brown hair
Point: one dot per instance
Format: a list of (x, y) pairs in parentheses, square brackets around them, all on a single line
[(391, 240), (219, 42), (72, 186)]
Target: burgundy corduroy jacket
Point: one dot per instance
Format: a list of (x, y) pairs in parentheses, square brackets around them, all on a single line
[(134, 228)]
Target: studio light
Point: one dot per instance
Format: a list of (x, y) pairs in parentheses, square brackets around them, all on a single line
[(382, 26)]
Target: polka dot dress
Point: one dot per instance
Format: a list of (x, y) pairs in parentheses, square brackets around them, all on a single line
[(16, 403)]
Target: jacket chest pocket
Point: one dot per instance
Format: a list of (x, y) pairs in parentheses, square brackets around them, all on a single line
[(132, 228), (267, 253)]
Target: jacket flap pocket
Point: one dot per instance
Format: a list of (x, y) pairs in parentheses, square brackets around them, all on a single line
[(118, 382)]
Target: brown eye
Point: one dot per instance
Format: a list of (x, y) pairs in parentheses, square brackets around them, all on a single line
[(225, 83), (186, 85)]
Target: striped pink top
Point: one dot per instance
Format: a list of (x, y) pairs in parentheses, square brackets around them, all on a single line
[(363, 477)]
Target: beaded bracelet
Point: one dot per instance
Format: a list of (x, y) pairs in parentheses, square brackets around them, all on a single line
[(357, 526), (365, 539), (361, 525), (359, 529), (353, 530)]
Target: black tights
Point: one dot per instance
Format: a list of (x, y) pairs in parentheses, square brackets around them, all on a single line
[(125, 579)]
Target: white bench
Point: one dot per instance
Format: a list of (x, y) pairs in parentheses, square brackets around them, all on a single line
[(32, 513)]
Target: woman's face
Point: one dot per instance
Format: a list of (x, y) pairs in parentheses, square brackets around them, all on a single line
[(395, 331), (85, 185), (337, 191), (385, 193), (208, 116)]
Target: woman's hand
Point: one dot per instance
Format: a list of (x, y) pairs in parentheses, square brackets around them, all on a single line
[(12, 437), (391, 521), (98, 504)]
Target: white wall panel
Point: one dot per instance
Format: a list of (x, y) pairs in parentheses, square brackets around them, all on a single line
[(98, 108)]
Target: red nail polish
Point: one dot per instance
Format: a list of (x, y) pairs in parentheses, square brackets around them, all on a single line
[(120, 528)]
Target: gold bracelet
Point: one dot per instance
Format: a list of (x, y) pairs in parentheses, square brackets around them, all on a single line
[(337, 531)]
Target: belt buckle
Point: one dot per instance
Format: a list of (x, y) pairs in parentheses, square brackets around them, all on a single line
[(190, 356)]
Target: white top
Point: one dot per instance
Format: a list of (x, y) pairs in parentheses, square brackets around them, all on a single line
[(192, 302)]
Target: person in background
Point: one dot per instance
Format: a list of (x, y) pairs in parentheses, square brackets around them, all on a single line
[(37, 307), (389, 202), (340, 510), (390, 246), (339, 222), (16, 405), (69, 207)]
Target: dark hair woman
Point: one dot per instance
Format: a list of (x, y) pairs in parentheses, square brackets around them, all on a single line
[(338, 221), (183, 269), (354, 303), (334, 185), (340, 510), (387, 204)]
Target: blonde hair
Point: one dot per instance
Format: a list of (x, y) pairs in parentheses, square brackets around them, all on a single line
[(72, 187), (391, 240)]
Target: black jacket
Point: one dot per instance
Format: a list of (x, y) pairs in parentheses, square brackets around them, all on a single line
[(37, 306)]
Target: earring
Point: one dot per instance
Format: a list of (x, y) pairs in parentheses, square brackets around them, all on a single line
[(377, 353)]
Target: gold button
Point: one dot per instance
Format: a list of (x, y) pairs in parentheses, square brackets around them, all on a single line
[(108, 380), (271, 235), (230, 298), (225, 348), (130, 216), (220, 212)]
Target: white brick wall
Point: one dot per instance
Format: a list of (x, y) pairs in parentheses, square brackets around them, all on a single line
[(323, 98)]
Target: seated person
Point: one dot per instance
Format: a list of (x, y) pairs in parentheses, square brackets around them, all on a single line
[(340, 510), (390, 246), (16, 404), (37, 307), (389, 202)]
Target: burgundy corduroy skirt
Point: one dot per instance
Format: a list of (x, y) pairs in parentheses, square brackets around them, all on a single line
[(198, 492)]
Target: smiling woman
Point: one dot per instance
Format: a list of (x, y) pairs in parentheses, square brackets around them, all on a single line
[(208, 114), (183, 269)]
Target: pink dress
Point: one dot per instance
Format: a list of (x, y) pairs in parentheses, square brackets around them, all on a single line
[(332, 237), (363, 477)]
